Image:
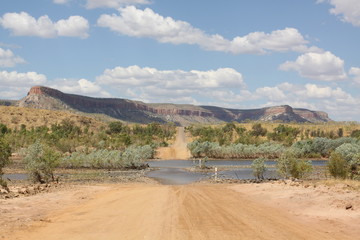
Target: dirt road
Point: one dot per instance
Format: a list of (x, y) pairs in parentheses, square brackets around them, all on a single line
[(178, 150), (177, 212)]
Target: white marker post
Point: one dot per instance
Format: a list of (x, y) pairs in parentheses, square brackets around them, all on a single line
[(216, 174)]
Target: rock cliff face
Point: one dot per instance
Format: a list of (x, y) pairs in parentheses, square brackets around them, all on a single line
[(135, 111)]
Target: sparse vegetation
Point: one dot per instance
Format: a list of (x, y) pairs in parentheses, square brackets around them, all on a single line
[(5, 152), (289, 166), (70, 145), (82, 142), (41, 162), (259, 168), (235, 151), (132, 157), (344, 162), (337, 166)]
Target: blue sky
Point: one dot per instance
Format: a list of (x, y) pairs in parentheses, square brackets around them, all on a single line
[(234, 53)]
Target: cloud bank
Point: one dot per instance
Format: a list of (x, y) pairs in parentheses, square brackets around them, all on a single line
[(347, 10), (22, 24), (318, 66), (148, 24)]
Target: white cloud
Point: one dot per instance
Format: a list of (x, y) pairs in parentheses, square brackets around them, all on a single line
[(8, 59), (22, 24), (14, 85), (81, 86), (272, 93), (318, 66), (74, 26), (335, 101), (315, 91), (15, 79), (348, 10), (113, 3), (136, 76), (150, 84), (61, 1), (13, 93), (146, 23), (355, 72), (228, 97)]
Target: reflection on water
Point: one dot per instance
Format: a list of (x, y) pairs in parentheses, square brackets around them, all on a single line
[(246, 173), (16, 176), (171, 172), (176, 176), (191, 163)]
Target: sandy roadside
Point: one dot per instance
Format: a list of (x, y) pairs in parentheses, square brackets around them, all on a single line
[(198, 211)]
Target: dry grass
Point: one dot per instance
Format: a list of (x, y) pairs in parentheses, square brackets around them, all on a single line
[(14, 117), (342, 183)]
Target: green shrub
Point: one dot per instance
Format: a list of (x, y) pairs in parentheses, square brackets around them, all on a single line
[(289, 166), (202, 163), (5, 153), (135, 156), (348, 151), (338, 166), (285, 134), (132, 157), (41, 162), (214, 150), (114, 127), (259, 168), (258, 130)]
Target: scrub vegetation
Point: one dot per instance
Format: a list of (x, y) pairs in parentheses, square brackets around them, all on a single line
[(289, 144), (68, 145)]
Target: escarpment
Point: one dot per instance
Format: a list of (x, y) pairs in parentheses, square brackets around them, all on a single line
[(182, 114)]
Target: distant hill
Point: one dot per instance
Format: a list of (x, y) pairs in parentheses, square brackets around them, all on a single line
[(7, 102), (138, 112)]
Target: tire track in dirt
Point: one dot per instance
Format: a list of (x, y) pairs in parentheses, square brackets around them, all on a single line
[(157, 212)]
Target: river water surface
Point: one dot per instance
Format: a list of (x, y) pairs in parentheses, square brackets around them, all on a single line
[(172, 172)]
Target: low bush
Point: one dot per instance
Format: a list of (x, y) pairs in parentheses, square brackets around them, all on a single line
[(5, 153), (289, 166), (259, 168), (235, 151), (338, 166), (132, 157), (41, 161)]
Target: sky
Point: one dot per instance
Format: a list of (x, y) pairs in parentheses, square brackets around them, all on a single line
[(235, 53)]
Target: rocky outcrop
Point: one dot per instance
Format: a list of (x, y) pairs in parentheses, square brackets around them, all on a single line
[(312, 116), (135, 111)]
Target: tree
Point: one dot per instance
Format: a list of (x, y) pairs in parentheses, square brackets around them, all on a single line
[(288, 166), (340, 132), (258, 130), (41, 162), (283, 133), (5, 153), (355, 133), (114, 127), (259, 168), (338, 166), (3, 129)]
